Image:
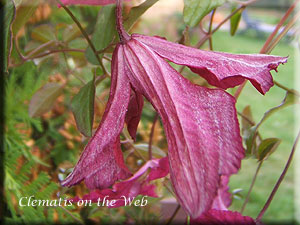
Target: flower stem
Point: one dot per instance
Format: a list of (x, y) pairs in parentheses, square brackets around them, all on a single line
[(124, 36), (267, 204), (251, 186), (210, 29), (286, 88), (283, 19), (151, 136), (173, 216), (283, 33)]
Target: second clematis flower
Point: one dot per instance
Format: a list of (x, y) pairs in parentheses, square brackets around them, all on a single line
[(201, 124)]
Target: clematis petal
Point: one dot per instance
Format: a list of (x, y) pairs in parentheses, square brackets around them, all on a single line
[(159, 169), (223, 199), (222, 217), (134, 112), (222, 70), (89, 2), (101, 163), (133, 186), (201, 127)]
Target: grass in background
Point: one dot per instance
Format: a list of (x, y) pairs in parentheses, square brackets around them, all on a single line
[(280, 125)]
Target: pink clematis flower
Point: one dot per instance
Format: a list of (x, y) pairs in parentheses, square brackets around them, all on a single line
[(201, 124), (223, 199), (138, 184), (222, 217)]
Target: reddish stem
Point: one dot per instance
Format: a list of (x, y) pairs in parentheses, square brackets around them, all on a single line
[(264, 49), (283, 19), (210, 29), (124, 36)]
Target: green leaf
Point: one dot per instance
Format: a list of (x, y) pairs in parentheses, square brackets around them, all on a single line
[(248, 131), (43, 100), (82, 107), (249, 137), (290, 99), (9, 13), (43, 33), (136, 12), (97, 71), (267, 147), (195, 10), (235, 21), (247, 118), (71, 32), (105, 31), (24, 12), (143, 150)]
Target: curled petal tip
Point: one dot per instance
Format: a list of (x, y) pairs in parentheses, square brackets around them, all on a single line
[(220, 69)]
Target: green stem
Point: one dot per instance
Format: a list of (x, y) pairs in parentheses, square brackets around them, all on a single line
[(246, 118), (286, 88), (267, 204), (210, 29), (84, 33), (25, 59), (173, 215), (251, 186)]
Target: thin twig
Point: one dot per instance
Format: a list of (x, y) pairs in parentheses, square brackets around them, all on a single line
[(267, 204), (251, 186), (286, 88), (210, 29), (25, 59), (132, 146), (84, 33), (246, 118), (239, 90), (55, 51), (45, 45), (173, 215), (107, 58), (168, 188), (273, 34), (283, 33)]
